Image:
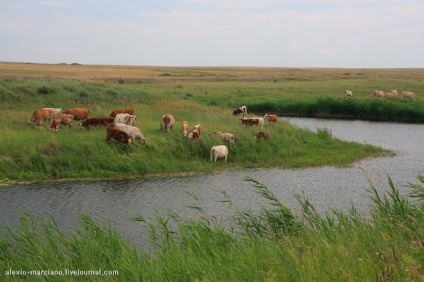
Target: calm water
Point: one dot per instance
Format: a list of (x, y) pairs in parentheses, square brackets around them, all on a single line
[(326, 187)]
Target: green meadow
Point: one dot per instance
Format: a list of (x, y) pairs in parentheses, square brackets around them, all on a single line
[(35, 154)]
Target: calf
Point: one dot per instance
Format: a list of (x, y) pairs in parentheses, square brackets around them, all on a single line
[(261, 135), (348, 93), (132, 131), (271, 118), (79, 113), (379, 93), (184, 128), (122, 111), (64, 119), (240, 111), (119, 135), (41, 115), (252, 121), (408, 95), (126, 118), (97, 122), (219, 152)]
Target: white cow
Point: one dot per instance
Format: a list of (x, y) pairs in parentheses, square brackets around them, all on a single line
[(379, 93), (220, 151), (348, 93), (408, 95), (126, 118), (132, 131), (226, 137), (392, 95)]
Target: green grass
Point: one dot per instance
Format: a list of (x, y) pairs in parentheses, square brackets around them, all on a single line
[(264, 243), (33, 154)]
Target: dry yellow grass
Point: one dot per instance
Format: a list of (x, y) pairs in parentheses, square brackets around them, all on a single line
[(161, 74)]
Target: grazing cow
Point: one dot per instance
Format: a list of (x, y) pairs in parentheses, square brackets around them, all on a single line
[(261, 135), (226, 137), (79, 113), (64, 119), (392, 95), (97, 122), (252, 121), (220, 151), (122, 111), (408, 95), (348, 93), (184, 128), (271, 118), (195, 134), (126, 119), (131, 131), (167, 122), (379, 93), (240, 111), (41, 115), (119, 135)]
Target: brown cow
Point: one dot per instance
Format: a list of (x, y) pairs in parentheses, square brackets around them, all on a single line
[(119, 135), (261, 135), (64, 119), (122, 111), (167, 122), (271, 118), (79, 113), (42, 114), (97, 122)]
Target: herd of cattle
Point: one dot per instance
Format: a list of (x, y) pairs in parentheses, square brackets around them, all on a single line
[(120, 125), (393, 94)]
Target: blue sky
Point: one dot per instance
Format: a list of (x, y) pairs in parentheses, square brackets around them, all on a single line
[(295, 33)]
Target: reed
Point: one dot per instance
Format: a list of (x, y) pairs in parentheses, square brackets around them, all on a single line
[(267, 242)]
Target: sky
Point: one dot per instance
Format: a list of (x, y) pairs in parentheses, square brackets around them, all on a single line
[(277, 33)]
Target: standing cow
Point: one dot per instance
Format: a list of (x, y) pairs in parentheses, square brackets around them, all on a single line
[(79, 113), (184, 128), (126, 118), (64, 119), (220, 151), (131, 131), (240, 111), (122, 111), (271, 118), (167, 122), (43, 114), (119, 135), (348, 93)]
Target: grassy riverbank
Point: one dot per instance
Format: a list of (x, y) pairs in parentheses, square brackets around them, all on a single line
[(264, 244), (198, 95)]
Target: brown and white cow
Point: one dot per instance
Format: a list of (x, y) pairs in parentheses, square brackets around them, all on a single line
[(97, 122), (195, 134), (122, 111), (261, 135), (131, 131), (126, 118), (228, 137), (252, 121), (184, 128), (271, 118), (408, 95), (79, 113), (220, 151), (43, 114), (119, 135), (167, 122), (62, 119), (240, 111)]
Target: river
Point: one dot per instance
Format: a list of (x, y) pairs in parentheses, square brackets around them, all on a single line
[(326, 187)]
